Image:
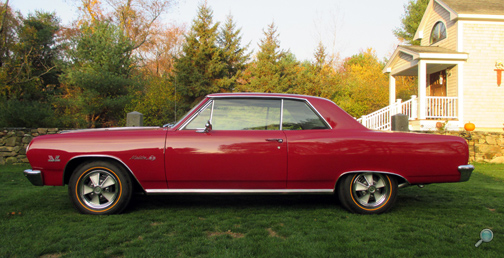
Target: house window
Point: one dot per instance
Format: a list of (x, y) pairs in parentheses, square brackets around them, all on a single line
[(438, 32)]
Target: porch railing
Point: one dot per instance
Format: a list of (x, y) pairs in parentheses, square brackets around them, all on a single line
[(436, 108), (382, 119), (442, 107)]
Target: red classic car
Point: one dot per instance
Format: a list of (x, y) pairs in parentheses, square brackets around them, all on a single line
[(247, 143)]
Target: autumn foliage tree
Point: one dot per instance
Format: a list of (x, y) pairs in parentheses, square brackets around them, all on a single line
[(365, 87)]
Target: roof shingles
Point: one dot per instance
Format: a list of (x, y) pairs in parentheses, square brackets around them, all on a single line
[(485, 7)]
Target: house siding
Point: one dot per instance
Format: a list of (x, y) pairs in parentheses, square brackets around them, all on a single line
[(441, 14), (452, 82), (403, 60), (484, 41)]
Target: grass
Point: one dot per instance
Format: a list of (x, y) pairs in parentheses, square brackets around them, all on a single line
[(438, 220)]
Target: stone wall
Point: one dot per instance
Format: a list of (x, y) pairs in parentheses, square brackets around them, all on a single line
[(483, 146), (13, 143)]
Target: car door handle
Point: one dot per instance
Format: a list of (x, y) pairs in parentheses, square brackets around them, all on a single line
[(275, 140)]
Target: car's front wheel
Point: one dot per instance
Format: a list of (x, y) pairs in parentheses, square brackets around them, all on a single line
[(100, 187), (367, 193)]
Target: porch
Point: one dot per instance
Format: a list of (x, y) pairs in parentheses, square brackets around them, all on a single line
[(440, 89)]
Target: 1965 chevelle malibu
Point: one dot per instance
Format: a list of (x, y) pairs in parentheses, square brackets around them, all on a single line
[(247, 143)]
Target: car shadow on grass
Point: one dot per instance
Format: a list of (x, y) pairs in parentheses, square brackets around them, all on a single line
[(144, 202)]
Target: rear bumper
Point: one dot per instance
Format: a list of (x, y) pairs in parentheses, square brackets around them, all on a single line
[(465, 172), (35, 176)]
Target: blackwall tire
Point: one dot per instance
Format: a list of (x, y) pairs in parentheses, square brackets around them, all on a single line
[(100, 188), (367, 193)]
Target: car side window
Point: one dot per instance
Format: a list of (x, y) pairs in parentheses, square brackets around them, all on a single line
[(246, 114), (297, 115), (239, 114)]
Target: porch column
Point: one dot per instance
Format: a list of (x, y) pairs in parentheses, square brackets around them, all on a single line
[(422, 89), (460, 91), (392, 88)]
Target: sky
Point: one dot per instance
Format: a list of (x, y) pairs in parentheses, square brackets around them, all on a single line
[(345, 27)]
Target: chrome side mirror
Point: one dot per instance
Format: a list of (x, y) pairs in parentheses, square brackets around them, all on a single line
[(208, 128)]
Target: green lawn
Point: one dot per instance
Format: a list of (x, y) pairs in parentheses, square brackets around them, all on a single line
[(438, 220)]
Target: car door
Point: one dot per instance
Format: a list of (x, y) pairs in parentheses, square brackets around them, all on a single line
[(244, 149), (311, 147)]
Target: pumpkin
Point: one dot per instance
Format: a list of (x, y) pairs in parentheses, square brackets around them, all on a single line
[(469, 127)]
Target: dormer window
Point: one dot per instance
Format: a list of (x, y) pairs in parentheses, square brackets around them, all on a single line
[(438, 32)]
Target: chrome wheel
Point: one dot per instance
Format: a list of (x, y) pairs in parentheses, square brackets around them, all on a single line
[(367, 193), (98, 189), (370, 190)]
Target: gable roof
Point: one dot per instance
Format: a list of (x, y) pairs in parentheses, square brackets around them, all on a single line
[(430, 50), (422, 52)]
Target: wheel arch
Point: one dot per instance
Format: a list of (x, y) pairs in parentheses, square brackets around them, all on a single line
[(401, 181), (76, 161)]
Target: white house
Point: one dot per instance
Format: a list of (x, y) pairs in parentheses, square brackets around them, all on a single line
[(458, 63)]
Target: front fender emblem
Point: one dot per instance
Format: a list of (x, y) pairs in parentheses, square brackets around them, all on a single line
[(54, 159), (150, 158)]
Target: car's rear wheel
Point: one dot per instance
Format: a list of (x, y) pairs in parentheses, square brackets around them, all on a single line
[(367, 193), (100, 187)]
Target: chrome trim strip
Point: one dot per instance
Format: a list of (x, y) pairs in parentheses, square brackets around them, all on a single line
[(211, 111), (239, 191), (403, 185), (281, 114), (103, 156), (263, 95), (110, 129), (372, 171)]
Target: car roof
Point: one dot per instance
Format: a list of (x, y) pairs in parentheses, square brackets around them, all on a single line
[(262, 94), (334, 115)]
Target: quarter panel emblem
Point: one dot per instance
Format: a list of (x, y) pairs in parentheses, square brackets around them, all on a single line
[(54, 159)]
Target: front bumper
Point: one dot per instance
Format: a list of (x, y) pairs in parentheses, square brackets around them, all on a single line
[(35, 176), (465, 172)]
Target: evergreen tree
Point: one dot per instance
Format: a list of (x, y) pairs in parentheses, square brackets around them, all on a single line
[(99, 80), (234, 55), (28, 72), (37, 45), (29, 57), (410, 21), (201, 64), (274, 70)]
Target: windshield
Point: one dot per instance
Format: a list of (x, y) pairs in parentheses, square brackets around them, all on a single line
[(186, 114)]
